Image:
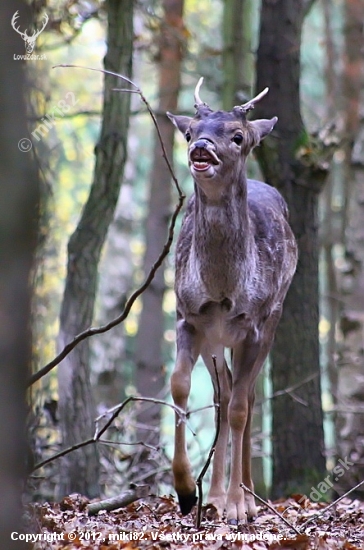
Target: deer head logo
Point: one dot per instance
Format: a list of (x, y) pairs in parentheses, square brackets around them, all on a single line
[(29, 40)]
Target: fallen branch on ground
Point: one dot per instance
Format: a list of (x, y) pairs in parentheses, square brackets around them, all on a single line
[(120, 501), (322, 512)]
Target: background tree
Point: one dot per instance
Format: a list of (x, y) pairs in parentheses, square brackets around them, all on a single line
[(150, 373), (19, 202), (298, 441), (238, 55), (79, 470), (109, 353), (350, 387)]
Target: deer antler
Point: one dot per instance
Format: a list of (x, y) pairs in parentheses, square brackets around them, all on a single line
[(37, 33), (198, 100), (251, 104), (13, 23)]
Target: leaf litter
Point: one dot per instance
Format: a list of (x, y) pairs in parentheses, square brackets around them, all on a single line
[(155, 523)]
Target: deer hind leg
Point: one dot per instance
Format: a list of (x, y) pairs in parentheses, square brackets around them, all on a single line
[(188, 343), (217, 492)]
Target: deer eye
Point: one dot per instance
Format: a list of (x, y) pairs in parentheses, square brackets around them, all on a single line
[(238, 139), (188, 136)]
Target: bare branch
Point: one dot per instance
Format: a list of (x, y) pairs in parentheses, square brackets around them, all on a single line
[(99, 432), (330, 505), (270, 508), (100, 330), (118, 408), (213, 447), (289, 390), (64, 452)]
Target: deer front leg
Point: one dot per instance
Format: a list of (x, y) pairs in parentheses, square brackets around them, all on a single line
[(251, 509), (267, 340), (187, 353)]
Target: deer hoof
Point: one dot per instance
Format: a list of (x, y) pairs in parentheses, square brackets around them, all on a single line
[(187, 502)]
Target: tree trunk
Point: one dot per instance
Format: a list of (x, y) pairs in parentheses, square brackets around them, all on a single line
[(19, 200), (238, 56), (350, 390), (298, 441), (150, 375), (116, 278), (79, 470)]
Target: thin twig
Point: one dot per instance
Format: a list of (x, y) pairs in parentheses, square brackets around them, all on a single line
[(98, 433), (213, 447), (289, 389), (199, 409), (117, 410), (100, 330), (330, 506), (270, 508), (64, 452), (115, 444)]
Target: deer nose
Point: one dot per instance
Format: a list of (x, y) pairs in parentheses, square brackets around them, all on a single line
[(202, 143)]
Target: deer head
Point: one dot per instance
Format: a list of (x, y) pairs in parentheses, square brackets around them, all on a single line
[(29, 40), (219, 141)]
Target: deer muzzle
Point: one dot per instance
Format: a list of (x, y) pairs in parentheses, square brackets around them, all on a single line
[(202, 156)]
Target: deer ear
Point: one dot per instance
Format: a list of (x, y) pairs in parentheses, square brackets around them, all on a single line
[(264, 126), (181, 122)]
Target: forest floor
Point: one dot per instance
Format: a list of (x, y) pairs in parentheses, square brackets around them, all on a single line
[(155, 523)]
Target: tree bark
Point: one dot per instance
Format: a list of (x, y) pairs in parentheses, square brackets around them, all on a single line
[(79, 470), (298, 441), (19, 201), (238, 57), (108, 350), (150, 375), (350, 389)]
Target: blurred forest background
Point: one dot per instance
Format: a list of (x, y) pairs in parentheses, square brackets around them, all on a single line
[(107, 198)]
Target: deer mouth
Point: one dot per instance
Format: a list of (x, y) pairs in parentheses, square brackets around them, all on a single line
[(202, 159)]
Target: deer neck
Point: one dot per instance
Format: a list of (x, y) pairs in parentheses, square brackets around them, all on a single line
[(223, 241)]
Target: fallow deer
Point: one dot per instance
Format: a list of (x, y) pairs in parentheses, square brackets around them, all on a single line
[(235, 259)]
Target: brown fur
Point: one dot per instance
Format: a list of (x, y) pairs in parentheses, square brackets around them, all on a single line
[(235, 259)]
